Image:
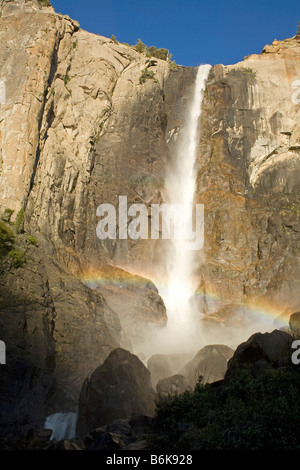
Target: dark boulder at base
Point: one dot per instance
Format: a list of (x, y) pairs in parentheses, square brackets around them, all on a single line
[(116, 389), (261, 350)]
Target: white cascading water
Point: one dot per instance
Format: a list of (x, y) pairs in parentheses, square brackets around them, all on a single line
[(180, 185), (63, 425)]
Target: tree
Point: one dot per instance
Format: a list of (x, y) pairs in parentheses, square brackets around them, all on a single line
[(140, 46), (114, 39), (7, 239), (19, 221)]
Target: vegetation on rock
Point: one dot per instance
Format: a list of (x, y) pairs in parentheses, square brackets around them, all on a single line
[(147, 74), (45, 3), (7, 214), (13, 245), (19, 221), (7, 239), (114, 39), (153, 51)]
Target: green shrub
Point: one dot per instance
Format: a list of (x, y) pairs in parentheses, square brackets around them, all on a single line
[(161, 53), (19, 221), (140, 46), (114, 39), (241, 412), (67, 78), (18, 258), (32, 240), (44, 3), (6, 216), (172, 65), (7, 239), (147, 74)]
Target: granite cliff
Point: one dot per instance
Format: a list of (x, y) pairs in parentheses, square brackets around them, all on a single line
[(78, 128)]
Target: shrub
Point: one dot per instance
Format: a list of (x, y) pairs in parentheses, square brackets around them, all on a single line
[(241, 412), (67, 78), (45, 3), (140, 46), (114, 39), (147, 74), (7, 239), (6, 216), (19, 221), (32, 240), (18, 258), (162, 54), (172, 65)]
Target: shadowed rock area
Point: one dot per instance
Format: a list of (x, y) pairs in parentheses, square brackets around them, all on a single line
[(118, 388)]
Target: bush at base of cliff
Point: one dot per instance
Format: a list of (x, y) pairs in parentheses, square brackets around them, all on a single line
[(241, 412)]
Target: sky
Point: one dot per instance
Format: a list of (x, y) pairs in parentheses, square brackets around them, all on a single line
[(194, 31)]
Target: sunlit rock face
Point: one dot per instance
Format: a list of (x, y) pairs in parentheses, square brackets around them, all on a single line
[(248, 179)]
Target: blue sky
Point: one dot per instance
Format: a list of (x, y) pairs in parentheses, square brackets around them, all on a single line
[(194, 31)]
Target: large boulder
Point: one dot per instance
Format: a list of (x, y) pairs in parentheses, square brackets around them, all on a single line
[(174, 385), (210, 363), (165, 365), (116, 389), (261, 350)]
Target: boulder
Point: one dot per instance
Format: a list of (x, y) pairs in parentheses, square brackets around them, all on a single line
[(128, 433), (174, 385), (116, 389), (165, 365), (262, 350), (210, 362), (294, 323)]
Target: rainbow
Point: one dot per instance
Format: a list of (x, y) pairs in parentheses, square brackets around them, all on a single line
[(254, 311)]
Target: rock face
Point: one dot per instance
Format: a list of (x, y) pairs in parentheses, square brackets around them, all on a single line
[(248, 180), (174, 385), (294, 323), (263, 349), (56, 105), (210, 362), (165, 365), (56, 330), (116, 389), (136, 299)]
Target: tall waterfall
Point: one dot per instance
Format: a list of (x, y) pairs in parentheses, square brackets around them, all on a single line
[(180, 184)]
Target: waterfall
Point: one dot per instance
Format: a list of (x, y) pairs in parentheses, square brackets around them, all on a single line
[(63, 425), (180, 185)]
